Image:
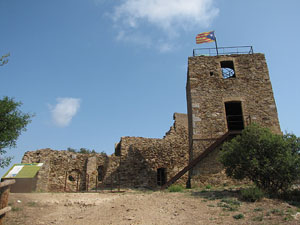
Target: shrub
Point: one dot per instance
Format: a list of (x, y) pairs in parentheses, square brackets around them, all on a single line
[(252, 194), (208, 186), (271, 161), (175, 188), (238, 216)]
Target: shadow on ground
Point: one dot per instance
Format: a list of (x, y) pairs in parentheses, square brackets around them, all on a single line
[(213, 195)]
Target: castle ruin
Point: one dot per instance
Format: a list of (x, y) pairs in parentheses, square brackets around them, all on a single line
[(224, 93), (137, 163)]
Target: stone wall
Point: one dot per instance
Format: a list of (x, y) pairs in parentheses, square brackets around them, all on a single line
[(133, 165), (63, 170), (207, 93), (142, 157)]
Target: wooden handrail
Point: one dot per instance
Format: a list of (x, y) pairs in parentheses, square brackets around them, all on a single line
[(195, 161), (7, 182), (5, 210)]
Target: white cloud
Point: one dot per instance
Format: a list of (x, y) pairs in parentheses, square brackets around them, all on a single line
[(169, 16), (65, 110), (136, 38)]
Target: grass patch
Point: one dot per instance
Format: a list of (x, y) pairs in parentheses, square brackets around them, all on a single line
[(238, 216), (229, 204), (290, 211), (32, 204), (258, 218), (277, 212), (16, 209), (208, 186), (288, 218), (258, 209), (175, 188), (252, 194)]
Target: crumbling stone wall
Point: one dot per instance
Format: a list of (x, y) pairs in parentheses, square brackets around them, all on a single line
[(133, 165), (62, 170), (143, 156), (207, 92)]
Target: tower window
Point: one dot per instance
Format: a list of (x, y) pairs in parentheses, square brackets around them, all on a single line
[(227, 68)]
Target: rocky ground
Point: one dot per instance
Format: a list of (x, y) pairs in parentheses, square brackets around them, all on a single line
[(138, 207)]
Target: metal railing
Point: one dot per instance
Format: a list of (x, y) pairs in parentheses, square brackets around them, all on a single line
[(223, 51)]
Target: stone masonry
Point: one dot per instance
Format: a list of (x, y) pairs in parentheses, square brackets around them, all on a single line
[(247, 94), (135, 163)]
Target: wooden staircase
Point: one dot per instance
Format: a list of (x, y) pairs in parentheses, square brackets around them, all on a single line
[(195, 161)]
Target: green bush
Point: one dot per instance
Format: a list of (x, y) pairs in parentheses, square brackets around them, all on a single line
[(208, 186), (175, 188), (238, 216), (252, 194), (271, 161)]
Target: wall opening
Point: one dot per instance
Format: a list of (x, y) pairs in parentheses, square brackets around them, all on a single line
[(71, 178), (161, 176), (227, 68), (234, 115), (118, 149), (100, 173)]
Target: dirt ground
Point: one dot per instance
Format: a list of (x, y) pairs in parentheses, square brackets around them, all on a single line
[(138, 207)]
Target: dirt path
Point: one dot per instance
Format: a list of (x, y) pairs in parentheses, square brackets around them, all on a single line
[(134, 207)]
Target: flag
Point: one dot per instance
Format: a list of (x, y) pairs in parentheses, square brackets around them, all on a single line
[(205, 37)]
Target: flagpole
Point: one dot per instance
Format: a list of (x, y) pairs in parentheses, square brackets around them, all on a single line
[(216, 45)]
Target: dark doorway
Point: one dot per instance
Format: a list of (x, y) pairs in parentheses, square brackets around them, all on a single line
[(100, 173), (161, 176), (234, 115)]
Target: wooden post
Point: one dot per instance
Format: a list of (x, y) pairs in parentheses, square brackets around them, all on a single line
[(96, 183), (87, 182), (4, 193), (118, 181), (77, 182), (111, 183), (65, 188)]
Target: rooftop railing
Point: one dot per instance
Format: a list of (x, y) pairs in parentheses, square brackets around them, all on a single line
[(223, 51)]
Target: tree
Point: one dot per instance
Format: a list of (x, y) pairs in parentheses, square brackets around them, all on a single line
[(12, 122), (81, 150), (86, 151), (271, 161), (3, 59)]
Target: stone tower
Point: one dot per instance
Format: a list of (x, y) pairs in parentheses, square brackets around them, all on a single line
[(225, 93)]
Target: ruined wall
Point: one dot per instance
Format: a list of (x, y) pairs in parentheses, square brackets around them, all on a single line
[(141, 157), (134, 163), (63, 170), (207, 92)]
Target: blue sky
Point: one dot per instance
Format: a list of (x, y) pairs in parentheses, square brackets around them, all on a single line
[(95, 70)]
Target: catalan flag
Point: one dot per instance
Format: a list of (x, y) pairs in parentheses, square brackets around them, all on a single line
[(205, 37)]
